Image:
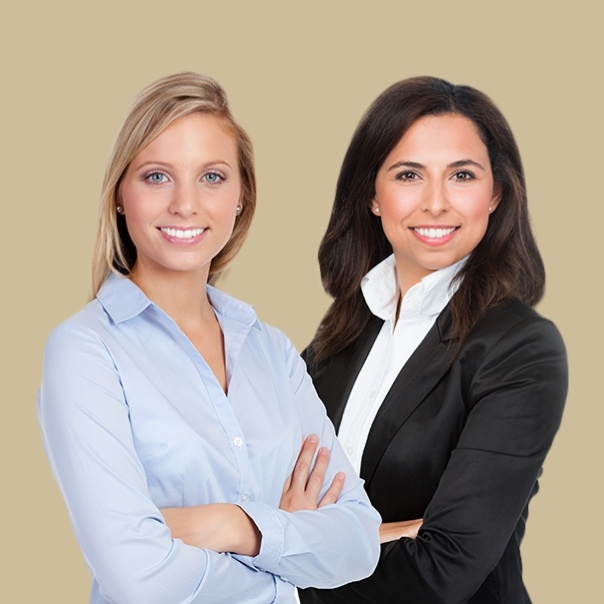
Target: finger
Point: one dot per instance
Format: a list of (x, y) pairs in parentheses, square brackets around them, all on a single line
[(333, 492), (288, 482), (302, 468), (317, 476)]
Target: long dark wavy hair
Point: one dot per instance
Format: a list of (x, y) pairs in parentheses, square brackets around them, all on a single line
[(505, 264)]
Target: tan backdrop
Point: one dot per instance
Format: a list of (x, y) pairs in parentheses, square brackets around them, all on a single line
[(299, 75)]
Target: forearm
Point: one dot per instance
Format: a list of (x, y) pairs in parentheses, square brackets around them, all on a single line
[(392, 531), (324, 548), (460, 542), (130, 550), (220, 527)]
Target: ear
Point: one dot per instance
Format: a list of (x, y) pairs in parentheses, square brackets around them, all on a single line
[(497, 194)]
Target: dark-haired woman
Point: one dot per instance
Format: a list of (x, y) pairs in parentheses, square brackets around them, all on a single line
[(446, 387)]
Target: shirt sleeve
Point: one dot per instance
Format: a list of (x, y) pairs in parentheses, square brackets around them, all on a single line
[(329, 546), (128, 547), (515, 399)]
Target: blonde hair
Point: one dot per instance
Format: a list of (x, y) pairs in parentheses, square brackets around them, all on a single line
[(152, 111)]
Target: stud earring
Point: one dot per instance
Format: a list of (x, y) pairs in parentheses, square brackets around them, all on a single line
[(238, 210), (376, 210), (490, 209), (119, 210)]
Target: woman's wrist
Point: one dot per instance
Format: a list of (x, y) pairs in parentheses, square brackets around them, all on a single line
[(245, 533), (221, 527)]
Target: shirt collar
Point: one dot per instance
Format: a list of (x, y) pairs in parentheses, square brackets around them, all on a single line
[(230, 307), (123, 300), (428, 297)]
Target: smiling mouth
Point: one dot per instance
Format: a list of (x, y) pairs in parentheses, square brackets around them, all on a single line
[(182, 233), (434, 233)]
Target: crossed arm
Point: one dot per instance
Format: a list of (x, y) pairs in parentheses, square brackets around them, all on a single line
[(225, 527)]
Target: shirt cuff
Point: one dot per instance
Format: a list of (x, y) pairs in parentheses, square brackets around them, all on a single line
[(285, 591), (273, 535)]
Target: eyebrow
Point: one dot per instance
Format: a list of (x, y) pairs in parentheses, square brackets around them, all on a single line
[(456, 164), (163, 164)]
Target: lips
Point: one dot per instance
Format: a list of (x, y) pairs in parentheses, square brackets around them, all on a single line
[(182, 233)]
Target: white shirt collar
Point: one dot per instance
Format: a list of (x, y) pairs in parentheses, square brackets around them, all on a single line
[(428, 297)]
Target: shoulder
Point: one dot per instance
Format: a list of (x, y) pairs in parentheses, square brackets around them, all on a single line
[(117, 300), (344, 359), (261, 340), (275, 341), (78, 361), (510, 313), (513, 370), (276, 353), (87, 322), (244, 314), (367, 334), (83, 338), (518, 322), (514, 344)]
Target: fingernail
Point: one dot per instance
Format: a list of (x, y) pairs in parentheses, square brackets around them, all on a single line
[(313, 438)]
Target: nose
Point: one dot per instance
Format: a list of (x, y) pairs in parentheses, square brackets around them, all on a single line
[(184, 201), (435, 199)]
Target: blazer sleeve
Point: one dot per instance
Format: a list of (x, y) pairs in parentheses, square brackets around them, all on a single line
[(514, 397)]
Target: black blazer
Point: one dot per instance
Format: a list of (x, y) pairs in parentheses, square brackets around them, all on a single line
[(458, 441)]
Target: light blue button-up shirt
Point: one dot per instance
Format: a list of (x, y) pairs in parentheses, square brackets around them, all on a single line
[(134, 420)]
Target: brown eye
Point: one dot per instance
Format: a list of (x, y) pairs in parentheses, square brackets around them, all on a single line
[(406, 175)]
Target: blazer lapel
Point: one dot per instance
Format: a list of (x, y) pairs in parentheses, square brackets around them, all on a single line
[(416, 379), (335, 379)]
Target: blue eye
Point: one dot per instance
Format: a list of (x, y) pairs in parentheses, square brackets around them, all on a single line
[(156, 178), (213, 178)]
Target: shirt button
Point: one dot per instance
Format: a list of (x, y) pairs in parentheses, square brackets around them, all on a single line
[(372, 395), (349, 451), (245, 497), (238, 441)]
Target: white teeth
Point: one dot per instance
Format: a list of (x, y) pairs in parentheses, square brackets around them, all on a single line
[(182, 234), (434, 233)]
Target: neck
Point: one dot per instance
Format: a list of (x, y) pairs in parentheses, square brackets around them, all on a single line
[(407, 276), (405, 283), (182, 296)]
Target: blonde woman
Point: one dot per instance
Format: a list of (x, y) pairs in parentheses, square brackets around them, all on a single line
[(173, 417)]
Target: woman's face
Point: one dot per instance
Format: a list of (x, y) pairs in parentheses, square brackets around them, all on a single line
[(179, 197), (434, 194)]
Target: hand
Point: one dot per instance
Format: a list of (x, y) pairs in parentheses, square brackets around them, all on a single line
[(393, 531), (221, 527), (302, 488)]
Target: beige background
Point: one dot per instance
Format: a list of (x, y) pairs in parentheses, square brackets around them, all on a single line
[(299, 75)]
